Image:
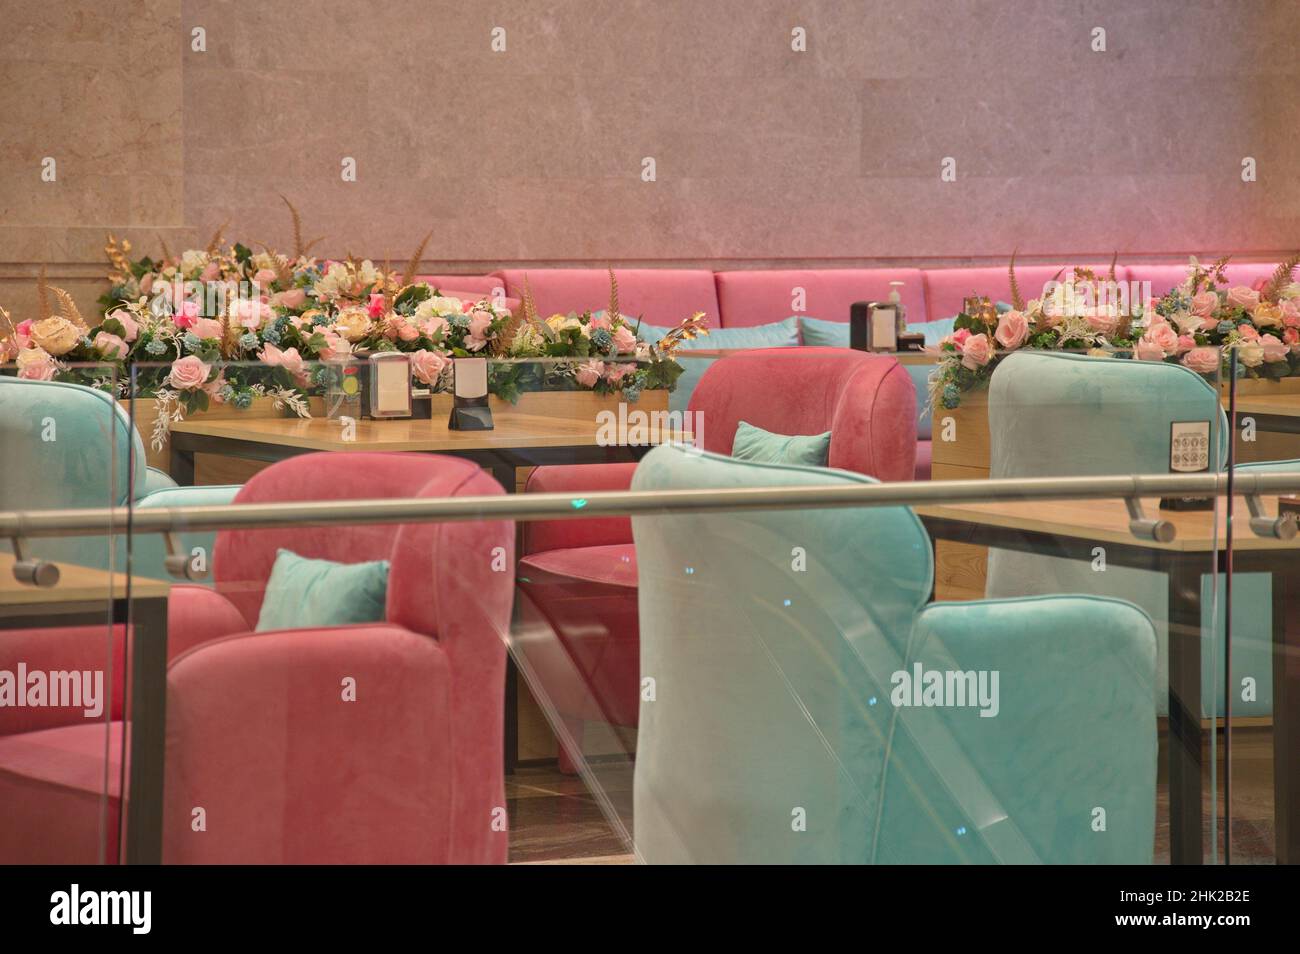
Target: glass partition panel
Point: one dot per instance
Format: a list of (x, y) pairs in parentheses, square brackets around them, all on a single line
[(65, 442), (1259, 758)]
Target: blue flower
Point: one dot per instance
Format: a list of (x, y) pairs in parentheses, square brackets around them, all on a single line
[(243, 400), (632, 390), (602, 339), (1226, 327), (248, 341), (156, 347), (191, 341), (271, 333), (459, 321), (951, 396), (227, 393)]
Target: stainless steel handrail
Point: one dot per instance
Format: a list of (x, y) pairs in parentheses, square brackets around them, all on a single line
[(551, 506)]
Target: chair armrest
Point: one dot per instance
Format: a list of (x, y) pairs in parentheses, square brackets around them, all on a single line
[(328, 745), (214, 495), (542, 535), (197, 614), (97, 650), (155, 479)]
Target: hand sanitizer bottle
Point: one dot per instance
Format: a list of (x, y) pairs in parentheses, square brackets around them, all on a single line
[(896, 299)]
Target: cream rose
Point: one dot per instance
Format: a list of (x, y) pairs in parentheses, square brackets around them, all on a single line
[(56, 336), (353, 323), (1267, 315)]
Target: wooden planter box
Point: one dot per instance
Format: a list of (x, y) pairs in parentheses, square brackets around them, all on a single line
[(146, 414), (960, 439)]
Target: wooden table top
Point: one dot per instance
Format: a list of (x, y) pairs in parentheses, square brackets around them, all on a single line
[(1280, 405), (77, 584), (1106, 521), (406, 434)]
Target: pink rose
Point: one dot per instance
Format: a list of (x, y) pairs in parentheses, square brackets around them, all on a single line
[(1248, 332), (35, 364), (624, 340), (186, 314), (433, 326), (1259, 284), (1204, 303), (211, 272), (249, 312), (598, 321), (589, 372), (427, 366), (958, 337), (1162, 334), (337, 348), (407, 331), (1291, 313), (1292, 337), (376, 306), (130, 327), (1148, 350), (1274, 349), (1185, 343), (1202, 360), (976, 351), (188, 373), (264, 277), (479, 321), (615, 373), (290, 300), (25, 328), (110, 346), (1102, 322), (1239, 296), (289, 358), (207, 328), (1013, 329)]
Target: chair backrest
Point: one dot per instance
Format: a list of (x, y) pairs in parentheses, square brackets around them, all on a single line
[(1054, 414), (435, 568), (774, 639), (64, 445), (866, 401), (660, 296)]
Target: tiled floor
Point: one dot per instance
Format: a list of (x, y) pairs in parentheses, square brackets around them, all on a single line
[(554, 819)]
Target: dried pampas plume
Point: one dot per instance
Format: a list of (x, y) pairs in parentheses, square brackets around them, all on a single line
[(117, 257), (167, 253), (68, 309), (214, 243), (612, 313), (1110, 272), (1281, 278), (413, 265), (1017, 300), (42, 295)]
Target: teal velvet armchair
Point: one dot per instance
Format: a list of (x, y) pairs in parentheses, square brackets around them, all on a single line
[(1053, 414), (779, 720), (67, 446)]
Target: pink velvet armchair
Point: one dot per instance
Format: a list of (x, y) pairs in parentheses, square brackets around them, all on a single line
[(259, 735), (579, 577)]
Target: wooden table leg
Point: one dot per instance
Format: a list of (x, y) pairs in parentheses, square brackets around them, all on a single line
[(1286, 708), (147, 726), (1185, 733)]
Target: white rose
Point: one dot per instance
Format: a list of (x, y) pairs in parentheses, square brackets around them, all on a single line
[(1251, 354), (442, 306), (193, 260)]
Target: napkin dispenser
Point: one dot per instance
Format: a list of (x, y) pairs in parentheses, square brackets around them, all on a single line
[(470, 410), (388, 385)]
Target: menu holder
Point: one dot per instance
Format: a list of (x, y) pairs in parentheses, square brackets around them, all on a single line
[(1189, 453), (470, 410)]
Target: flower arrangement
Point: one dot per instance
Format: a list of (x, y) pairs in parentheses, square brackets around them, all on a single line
[(1201, 321), (226, 325), (1078, 311), (608, 356)]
